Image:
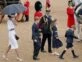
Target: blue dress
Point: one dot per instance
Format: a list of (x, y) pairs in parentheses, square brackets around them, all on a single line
[(56, 43)]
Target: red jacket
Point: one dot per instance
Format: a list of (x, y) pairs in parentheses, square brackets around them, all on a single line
[(71, 20), (48, 3), (26, 12), (38, 13)]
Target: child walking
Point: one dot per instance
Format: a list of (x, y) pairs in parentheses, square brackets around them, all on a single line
[(12, 37), (36, 38), (69, 40), (56, 43)]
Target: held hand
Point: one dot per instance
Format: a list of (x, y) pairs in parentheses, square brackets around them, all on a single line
[(57, 37), (35, 40)]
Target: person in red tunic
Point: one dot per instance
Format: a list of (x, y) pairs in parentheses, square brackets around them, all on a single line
[(26, 12), (38, 8), (70, 13), (39, 14), (48, 5)]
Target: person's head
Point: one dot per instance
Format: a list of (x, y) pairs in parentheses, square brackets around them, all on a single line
[(38, 5), (70, 3), (73, 27), (11, 16), (36, 19), (48, 12)]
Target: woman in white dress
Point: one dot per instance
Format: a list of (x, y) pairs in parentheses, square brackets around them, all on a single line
[(13, 44)]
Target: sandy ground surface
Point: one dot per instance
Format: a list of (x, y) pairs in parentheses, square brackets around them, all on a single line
[(25, 42)]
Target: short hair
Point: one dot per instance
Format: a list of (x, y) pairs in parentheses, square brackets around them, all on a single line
[(9, 16), (71, 2)]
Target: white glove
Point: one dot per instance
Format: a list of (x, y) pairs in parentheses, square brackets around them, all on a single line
[(35, 40)]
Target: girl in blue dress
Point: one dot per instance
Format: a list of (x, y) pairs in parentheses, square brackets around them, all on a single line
[(56, 42)]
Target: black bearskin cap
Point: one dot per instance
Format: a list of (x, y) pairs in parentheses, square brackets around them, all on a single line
[(38, 5)]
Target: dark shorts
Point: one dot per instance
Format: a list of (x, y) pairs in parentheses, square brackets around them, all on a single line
[(69, 45)]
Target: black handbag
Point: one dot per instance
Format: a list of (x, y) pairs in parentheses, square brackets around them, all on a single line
[(17, 38)]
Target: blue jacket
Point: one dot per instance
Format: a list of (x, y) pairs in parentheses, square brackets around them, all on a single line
[(54, 32), (35, 32), (70, 36)]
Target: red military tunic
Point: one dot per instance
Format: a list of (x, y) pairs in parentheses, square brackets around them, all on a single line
[(71, 20), (26, 12), (38, 13), (48, 4)]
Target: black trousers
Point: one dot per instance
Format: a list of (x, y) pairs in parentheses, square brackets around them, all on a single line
[(46, 36), (27, 18), (37, 46)]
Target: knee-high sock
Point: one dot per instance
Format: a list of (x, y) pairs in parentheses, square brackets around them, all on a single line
[(62, 53)]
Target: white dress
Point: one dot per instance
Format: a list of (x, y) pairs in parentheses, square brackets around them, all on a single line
[(11, 33)]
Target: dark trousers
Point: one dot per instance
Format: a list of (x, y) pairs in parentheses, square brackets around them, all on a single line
[(27, 18), (37, 46), (46, 36)]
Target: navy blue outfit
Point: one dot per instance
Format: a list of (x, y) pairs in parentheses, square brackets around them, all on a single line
[(36, 36), (56, 43), (45, 26), (70, 35), (69, 40)]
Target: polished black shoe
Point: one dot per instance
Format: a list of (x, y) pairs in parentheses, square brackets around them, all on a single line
[(75, 56), (61, 57), (50, 51), (36, 58), (43, 51)]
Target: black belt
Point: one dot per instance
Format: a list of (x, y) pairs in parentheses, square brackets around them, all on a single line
[(12, 29)]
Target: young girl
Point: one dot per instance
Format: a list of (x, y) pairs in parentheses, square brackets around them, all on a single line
[(70, 13), (12, 37), (56, 43)]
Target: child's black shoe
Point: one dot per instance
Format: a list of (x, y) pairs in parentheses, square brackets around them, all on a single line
[(43, 51), (75, 56), (36, 58), (61, 57)]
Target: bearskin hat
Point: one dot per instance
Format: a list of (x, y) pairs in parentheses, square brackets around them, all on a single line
[(38, 6)]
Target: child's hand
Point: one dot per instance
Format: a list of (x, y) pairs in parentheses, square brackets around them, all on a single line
[(35, 40), (57, 37)]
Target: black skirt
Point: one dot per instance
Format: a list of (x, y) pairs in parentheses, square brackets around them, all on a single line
[(56, 43)]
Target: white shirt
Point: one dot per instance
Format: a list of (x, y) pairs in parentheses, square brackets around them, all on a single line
[(10, 25)]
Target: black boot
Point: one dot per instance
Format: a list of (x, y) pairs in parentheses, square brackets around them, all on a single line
[(61, 56), (74, 56), (35, 58)]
